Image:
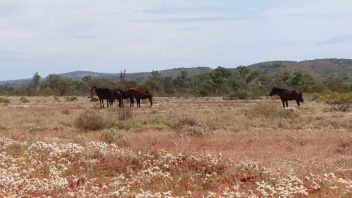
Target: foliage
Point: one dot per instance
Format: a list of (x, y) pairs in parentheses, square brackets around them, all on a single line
[(93, 99), (71, 98), (339, 101), (24, 99), (90, 120), (113, 135), (239, 83), (125, 113), (4, 100)]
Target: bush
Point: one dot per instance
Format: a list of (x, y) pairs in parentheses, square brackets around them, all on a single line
[(113, 135), (71, 98), (185, 121), (125, 113), (90, 120), (24, 99), (190, 127), (339, 101), (4, 100), (271, 110), (93, 99)]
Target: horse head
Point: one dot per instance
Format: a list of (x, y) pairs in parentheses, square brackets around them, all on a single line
[(92, 90), (273, 91)]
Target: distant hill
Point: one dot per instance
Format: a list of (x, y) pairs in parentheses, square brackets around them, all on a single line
[(139, 77), (319, 68)]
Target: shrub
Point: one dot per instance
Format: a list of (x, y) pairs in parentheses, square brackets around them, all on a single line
[(90, 120), (56, 98), (339, 101), (185, 121), (65, 112), (190, 127), (315, 97), (113, 135), (271, 110), (4, 100), (125, 113), (71, 98), (24, 99), (93, 99)]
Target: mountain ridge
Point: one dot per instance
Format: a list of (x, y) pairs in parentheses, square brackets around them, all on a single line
[(318, 67)]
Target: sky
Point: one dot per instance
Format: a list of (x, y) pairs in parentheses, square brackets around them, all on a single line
[(144, 35)]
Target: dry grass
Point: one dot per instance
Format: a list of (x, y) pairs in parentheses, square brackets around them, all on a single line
[(264, 148)]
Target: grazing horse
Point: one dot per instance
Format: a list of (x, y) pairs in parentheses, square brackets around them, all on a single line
[(286, 95), (119, 95), (140, 94), (102, 94)]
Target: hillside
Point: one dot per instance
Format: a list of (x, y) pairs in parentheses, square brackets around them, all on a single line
[(319, 68), (139, 77)]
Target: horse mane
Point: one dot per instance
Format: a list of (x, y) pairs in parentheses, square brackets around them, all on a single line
[(279, 89)]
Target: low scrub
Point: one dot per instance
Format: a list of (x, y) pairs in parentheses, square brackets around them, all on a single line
[(190, 127), (93, 99), (90, 120), (339, 101), (4, 100), (113, 135), (271, 110), (24, 99), (125, 113), (71, 98)]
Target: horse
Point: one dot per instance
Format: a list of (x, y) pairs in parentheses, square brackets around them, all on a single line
[(120, 95), (102, 94), (286, 95), (140, 94)]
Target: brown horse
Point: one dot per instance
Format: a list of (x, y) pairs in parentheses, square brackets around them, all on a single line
[(140, 94), (286, 95)]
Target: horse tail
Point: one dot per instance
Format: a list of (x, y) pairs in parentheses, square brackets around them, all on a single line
[(301, 97)]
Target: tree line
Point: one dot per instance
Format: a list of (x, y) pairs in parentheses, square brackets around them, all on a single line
[(239, 83)]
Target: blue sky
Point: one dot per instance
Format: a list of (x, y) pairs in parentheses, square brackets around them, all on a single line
[(144, 35)]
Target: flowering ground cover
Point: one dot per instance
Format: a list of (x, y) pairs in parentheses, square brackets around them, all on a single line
[(180, 148)]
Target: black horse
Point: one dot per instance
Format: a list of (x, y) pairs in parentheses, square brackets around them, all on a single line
[(286, 95), (103, 94), (120, 95)]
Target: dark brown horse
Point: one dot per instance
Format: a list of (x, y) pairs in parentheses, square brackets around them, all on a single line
[(103, 94), (286, 95), (140, 94), (120, 95)]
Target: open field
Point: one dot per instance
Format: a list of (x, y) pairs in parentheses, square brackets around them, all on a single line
[(191, 147)]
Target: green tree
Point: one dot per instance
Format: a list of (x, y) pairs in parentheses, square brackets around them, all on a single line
[(154, 81), (35, 80)]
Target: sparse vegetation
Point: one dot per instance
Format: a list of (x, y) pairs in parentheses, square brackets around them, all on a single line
[(339, 101), (90, 120), (71, 98), (24, 99), (189, 147), (94, 99), (125, 113), (113, 135), (4, 100)]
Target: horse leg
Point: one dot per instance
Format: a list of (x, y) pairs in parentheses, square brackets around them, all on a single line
[(151, 102), (138, 102), (287, 103), (283, 103), (131, 101), (298, 102)]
